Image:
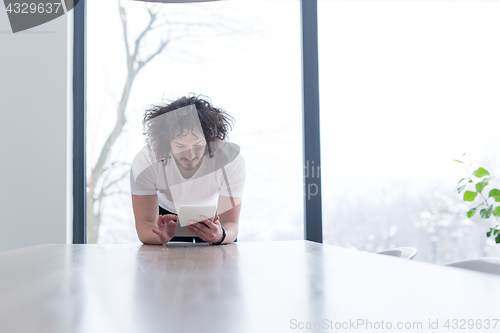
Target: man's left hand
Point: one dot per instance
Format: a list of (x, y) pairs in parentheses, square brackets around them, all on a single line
[(209, 231)]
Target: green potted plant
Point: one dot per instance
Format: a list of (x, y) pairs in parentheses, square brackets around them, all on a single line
[(479, 180)]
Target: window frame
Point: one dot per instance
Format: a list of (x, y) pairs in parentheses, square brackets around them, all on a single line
[(313, 225)]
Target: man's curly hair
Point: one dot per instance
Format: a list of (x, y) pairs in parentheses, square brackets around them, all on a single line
[(215, 124)]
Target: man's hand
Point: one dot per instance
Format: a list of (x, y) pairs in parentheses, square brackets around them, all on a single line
[(166, 227), (209, 231)]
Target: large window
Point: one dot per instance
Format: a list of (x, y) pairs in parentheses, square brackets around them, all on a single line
[(245, 56), (406, 87)]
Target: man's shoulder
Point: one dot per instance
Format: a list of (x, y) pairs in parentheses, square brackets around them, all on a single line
[(142, 161), (226, 153), (143, 152)]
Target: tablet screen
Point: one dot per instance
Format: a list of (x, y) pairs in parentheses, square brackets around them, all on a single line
[(193, 212)]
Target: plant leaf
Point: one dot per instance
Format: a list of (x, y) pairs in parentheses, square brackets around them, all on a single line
[(461, 188), (464, 154), (494, 193), (488, 234), (481, 185), (497, 199), (471, 213), (496, 211), (486, 212), (469, 196), (461, 180), (497, 239), (459, 161), (481, 173)]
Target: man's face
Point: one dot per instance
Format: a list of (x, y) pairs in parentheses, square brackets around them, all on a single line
[(188, 148)]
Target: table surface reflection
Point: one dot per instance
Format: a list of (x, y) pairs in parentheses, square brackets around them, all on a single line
[(277, 286)]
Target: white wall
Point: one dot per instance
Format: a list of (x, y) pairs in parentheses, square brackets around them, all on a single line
[(35, 169)]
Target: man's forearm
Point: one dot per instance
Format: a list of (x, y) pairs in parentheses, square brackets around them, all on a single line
[(231, 232), (145, 234)]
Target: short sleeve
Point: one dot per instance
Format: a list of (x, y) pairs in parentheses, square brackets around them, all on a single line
[(142, 175), (236, 175)]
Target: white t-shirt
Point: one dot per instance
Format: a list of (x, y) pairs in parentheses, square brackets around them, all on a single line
[(147, 177)]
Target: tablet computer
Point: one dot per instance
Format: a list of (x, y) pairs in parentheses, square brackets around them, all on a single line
[(193, 212)]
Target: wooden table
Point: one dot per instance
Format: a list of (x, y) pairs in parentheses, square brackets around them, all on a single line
[(240, 287)]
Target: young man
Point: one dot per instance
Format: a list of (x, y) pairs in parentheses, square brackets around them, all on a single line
[(187, 161)]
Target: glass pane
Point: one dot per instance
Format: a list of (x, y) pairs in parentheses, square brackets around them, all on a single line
[(234, 52), (406, 87)]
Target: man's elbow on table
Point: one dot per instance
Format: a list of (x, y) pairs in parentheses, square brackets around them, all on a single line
[(231, 231), (145, 233)]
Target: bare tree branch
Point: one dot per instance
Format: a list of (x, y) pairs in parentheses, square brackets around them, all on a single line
[(152, 19), (123, 17), (160, 49), (113, 164), (125, 174), (103, 194)]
